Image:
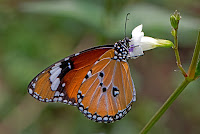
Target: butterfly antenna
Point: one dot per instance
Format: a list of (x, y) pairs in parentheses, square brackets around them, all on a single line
[(125, 23)]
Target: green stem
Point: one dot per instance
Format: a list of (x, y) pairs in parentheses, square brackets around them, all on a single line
[(178, 60), (188, 78), (165, 106), (193, 65), (178, 90)]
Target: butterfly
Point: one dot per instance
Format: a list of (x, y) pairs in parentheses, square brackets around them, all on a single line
[(97, 81)]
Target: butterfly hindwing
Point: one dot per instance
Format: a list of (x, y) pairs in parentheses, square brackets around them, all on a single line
[(108, 92), (60, 82)]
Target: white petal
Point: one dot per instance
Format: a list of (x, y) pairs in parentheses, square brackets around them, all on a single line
[(148, 43), (136, 30), (137, 51), (137, 34)]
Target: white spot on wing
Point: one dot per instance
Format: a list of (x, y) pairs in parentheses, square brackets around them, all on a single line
[(110, 119), (62, 94), (77, 54), (94, 117), (120, 115), (60, 99), (84, 80), (69, 66), (57, 93), (134, 92), (105, 118), (55, 84), (36, 93), (116, 93), (30, 91), (65, 101), (85, 111), (56, 65), (54, 70), (81, 108), (66, 58), (134, 98), (63, 85), (70, 102), (99, 118), (116, 117), (33, 85), (55, 75), (79, 100), (78, 96), (89, 115), (96, 62), (89, 73), (55, 99)]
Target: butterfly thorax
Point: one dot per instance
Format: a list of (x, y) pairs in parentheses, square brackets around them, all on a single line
[(121, 50)]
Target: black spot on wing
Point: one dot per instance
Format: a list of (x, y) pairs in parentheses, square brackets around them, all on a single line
[(104, 89), (101, 74), (86, 76), (115, 91), (101, 84), (66, 66)]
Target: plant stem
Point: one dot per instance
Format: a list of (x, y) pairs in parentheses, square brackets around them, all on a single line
[(188, 77), (179, 89), (193, 65), (165, 106), (178, 60)]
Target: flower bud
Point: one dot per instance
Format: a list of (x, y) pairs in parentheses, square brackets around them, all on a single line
[(174, 19), (173, 32)]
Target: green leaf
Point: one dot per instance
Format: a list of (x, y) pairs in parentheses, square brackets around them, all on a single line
[(197, 72)]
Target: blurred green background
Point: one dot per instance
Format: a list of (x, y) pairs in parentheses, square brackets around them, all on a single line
[(34, 34)]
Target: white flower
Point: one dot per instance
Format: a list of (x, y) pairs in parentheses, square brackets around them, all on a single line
[(140, 43)]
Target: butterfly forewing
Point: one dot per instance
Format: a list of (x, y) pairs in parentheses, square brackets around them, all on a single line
[(61, 81)]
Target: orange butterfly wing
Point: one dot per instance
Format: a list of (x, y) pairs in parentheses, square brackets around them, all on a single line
[(108, 92), (97, 80), (61, 81)]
